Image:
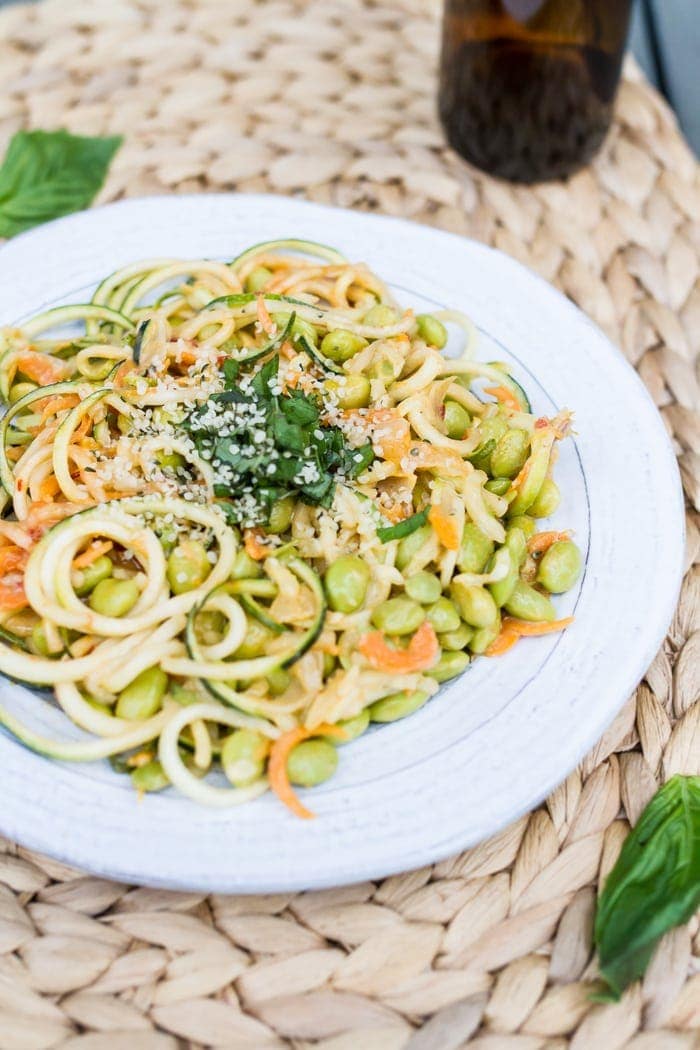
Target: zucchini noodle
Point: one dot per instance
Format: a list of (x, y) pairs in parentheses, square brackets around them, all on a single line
[(250, 508)]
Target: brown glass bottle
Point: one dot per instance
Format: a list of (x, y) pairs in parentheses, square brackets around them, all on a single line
[(527, 86)]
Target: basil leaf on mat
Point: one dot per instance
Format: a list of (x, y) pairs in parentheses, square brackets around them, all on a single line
[(47, 174), (654, 886)]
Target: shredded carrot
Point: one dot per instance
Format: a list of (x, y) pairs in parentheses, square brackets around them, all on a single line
[(397, 512), (446, 528), (266, 323), (512, 630), (13, 561), (391, 437), (48, 488), (542, 541), (93, 552), (42, 515), (41, 368), (252, 545), (277, 764), (52, 405), (530, 629), (421, 654), (505, 641), (505, 396)]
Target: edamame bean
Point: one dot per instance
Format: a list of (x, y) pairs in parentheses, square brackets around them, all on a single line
[(243, 755), (444, 616), (510, 453), (311, 762), (560, 567), (525, 523), (329, 664), (84, 580), (246, 568), (380, 316), (350, 391), (352, 728), (346, 583), (546, 501), (278, 681), (114, 597), (491, 428), (424, 587), (143, 697), (258, 278), (257, 638), (484, 636), (501, 590), (448, 666), (38, 640), (410, 545), (188, 566), (340, 345), (457, 639), (397, 705), (475, 550), (149, 777), (170, 460), (432, 330), (516, 543), (280, 515), (456, 420), (526, 603), (18, 390), (499, 486), (398, 616), (299, 328), (476, 604)]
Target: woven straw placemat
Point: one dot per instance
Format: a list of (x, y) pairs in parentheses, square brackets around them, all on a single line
[(335, 101)]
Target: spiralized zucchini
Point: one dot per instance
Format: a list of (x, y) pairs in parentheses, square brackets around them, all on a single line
[(251, 507)]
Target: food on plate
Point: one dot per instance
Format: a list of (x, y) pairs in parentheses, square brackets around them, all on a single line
[(252, 507)]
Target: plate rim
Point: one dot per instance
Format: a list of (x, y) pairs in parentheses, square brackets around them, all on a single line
[(586, 740)]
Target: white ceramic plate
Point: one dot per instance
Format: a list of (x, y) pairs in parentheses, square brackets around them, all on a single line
[(493, 742)]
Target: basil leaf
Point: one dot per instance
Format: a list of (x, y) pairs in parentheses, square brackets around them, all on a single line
[(405, 527), (230, 371), (654, 886), (47, 174)]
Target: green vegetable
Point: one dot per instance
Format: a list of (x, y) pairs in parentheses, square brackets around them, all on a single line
[(449, 666), (257, 279), (346, 583), (340, 345), (352, 727), (456, 420), (311, 762), (47, 174), (526, 603), (114, 597), (280, 515), (457, 639), (84, 580), (351, 391), (188, 566), (423, 587), (404, 528), (143, 697), (149, 777), (398, 616), (560, 567), (654, 886), (243, 755), (499, 486), (475, 550), (271, 445), (510, 453), (432, 330), (476, 604), (398, 705), (547, 500), (380, 316), (444, 616)]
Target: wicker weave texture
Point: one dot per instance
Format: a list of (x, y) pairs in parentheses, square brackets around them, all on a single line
[(334, 101)]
